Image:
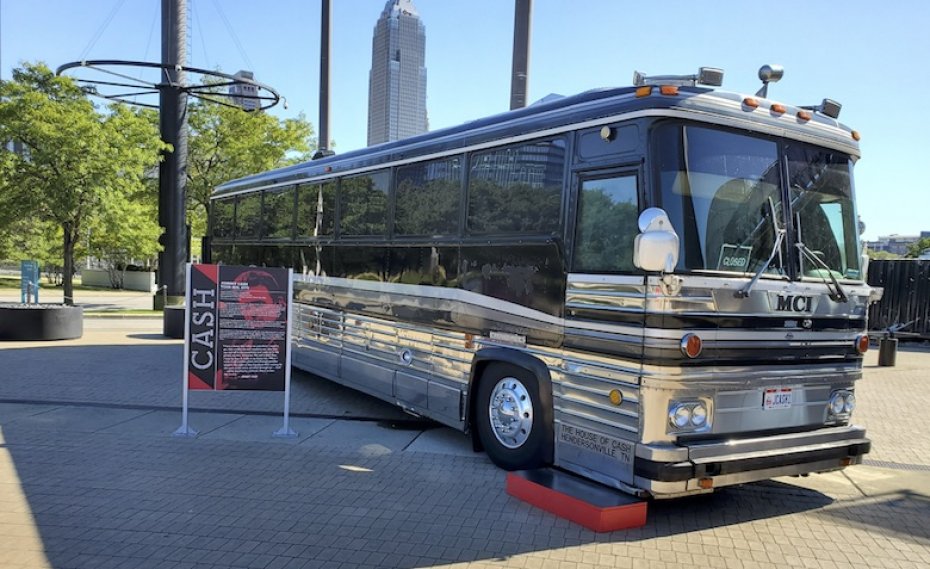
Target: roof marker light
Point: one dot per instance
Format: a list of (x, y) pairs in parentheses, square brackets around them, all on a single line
[(778, 108), (856, 136), (643, 91), (751, 103), (669, 89), (804, 115)]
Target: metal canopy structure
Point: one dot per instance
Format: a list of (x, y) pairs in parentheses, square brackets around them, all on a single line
[(213, 86), (168, 81)]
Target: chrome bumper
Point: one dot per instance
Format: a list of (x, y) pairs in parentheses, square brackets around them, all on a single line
[(700, 467)]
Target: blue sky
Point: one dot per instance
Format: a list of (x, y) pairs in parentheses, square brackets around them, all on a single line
[(868, 55)]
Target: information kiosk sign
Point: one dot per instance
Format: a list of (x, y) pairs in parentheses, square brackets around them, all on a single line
[(238, 328), (237, 333), (29, 281)]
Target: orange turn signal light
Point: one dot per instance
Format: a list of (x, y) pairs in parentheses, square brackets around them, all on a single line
[(668, 89), (705, 483), (862, 343), (691, 345)]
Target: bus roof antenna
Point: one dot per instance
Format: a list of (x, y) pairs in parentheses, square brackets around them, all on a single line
[(769, 74)]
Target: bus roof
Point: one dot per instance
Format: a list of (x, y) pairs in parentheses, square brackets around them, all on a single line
[(588, 109)]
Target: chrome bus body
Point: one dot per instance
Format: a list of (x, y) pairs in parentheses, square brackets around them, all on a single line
[(606, 349)]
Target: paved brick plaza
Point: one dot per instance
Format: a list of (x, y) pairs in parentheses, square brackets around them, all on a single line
[(90, 478)]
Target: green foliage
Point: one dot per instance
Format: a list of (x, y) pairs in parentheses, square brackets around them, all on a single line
[(606, 233), (494, 207), (882, 255), (226, 143), (915, 249), (82, 169)]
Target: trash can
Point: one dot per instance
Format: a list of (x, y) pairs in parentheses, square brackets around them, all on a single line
[(173, 325), (887, 352)]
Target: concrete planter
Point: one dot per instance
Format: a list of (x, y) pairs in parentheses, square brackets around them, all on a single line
[(132, 280), (32, 322)]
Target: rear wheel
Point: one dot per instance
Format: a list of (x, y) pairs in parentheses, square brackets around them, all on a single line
[(512, 423)]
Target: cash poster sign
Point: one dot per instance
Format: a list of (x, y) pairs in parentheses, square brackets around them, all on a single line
[(237, 328)]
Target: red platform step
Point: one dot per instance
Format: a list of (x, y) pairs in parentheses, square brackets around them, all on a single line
[(586, 503)]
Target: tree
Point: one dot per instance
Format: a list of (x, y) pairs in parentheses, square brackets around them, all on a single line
[(81, 168), (882, 255), (915, 249), (225, 143)]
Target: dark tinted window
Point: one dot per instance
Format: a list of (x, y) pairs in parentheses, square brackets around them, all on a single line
[(607, 216), (363, 204), (427, 198), (316, 209), (248, 215), (278, 213), (516, 189), (223, 211), (593, 144)]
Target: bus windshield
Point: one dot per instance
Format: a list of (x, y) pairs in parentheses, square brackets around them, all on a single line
[(723, 194), (825, 221)]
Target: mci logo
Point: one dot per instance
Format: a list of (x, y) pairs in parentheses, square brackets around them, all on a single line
[(791, 303)]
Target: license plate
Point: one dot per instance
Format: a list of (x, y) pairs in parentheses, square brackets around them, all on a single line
[(780, 398)]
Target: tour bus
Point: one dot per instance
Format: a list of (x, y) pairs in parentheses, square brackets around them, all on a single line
[(659, 288)]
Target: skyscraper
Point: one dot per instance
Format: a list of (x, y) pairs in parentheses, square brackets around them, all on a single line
[(397, 82), (243, 94)]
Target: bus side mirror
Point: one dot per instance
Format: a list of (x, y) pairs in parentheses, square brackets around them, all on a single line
[(655, 249)]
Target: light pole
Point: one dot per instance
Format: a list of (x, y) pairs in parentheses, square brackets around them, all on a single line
[(521, 53)]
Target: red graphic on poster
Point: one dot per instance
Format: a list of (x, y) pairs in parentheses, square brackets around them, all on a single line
[(252, 342)]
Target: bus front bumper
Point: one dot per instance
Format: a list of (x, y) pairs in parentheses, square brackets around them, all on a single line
[(665, 470)]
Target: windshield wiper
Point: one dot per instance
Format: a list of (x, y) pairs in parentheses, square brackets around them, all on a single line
[(779, 237), (836, 292), (776, 249)]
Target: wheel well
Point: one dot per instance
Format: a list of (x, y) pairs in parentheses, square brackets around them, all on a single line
[(516, 358)]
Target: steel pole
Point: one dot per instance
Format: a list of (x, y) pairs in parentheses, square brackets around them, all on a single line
[(172, 179), (325, 44), (521, 53)]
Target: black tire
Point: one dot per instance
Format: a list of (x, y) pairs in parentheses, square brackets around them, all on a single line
[(529, 448)]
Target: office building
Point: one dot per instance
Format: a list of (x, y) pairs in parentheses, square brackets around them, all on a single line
[(243, 94), (397, 81)]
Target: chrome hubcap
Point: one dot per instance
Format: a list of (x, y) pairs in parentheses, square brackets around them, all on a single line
[(511, 412)]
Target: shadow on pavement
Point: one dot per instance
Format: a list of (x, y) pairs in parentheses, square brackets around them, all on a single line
[(150, 337), (97, 500), (903, 513)]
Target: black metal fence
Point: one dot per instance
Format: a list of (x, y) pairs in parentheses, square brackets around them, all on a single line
[(906, 299)]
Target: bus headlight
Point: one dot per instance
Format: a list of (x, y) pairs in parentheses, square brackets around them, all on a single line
[(685, 416), (850, 404), (841, 405)]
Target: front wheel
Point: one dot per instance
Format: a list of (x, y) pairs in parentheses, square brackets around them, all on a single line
[(513, 424)]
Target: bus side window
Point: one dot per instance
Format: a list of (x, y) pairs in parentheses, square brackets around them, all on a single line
[(278, 213), (607, 212), (517, 189), (363, 204), (248, 215), (223, 211), (316, 205), (427, 198)]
